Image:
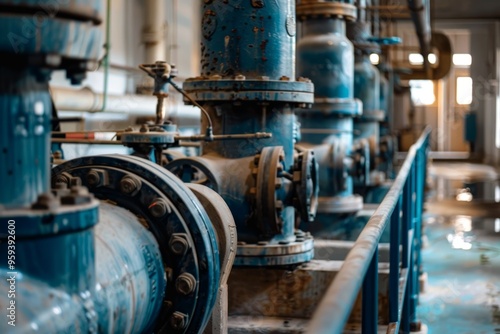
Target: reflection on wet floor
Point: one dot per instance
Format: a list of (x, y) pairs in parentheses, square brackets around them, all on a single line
[(462, 262)]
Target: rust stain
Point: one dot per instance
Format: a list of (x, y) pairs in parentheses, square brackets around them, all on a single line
[(263, 45)]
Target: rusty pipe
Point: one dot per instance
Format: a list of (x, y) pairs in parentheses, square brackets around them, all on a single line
[(420, 15), (441, 42)]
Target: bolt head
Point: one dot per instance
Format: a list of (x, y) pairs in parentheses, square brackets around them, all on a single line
[(178, 320), (185, 283), (159, 208), (178, 244), (93, 178), (46, 201), (129, 185)]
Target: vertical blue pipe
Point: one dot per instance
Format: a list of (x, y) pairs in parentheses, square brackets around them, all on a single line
[(25, 113), (369, 307), (394, 263)]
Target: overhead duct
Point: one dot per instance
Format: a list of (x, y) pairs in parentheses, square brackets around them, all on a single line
[(420, 15), (442, 44)]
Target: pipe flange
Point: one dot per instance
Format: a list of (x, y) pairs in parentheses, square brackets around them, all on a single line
[(270, 163), (274, 253), (50, 219), (179, 223), (194, 170), (306, 185), (360, 155), (371, 116), (314, 8), (251, 90), (336, 106), (340, 204)]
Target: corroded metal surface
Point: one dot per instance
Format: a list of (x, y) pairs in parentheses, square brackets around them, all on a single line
[(291, 293), (180, 225)]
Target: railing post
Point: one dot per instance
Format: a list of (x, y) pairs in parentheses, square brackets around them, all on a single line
[(406, 262), (394, 263), (415, 242), (369, 307)]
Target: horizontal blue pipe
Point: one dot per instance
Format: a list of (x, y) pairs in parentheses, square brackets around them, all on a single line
[(127, 294), (335, 307)]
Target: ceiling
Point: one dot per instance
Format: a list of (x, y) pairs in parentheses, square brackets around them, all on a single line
[(465, 9)]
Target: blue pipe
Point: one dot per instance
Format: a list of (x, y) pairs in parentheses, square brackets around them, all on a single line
[(130, 278), (63, 274), (248, 85), (367, 89), (24, 137), (326, 56), (108, 288)]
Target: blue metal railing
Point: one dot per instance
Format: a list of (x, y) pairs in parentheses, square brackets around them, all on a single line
[(402, 207)]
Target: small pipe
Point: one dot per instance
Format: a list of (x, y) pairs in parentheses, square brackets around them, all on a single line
[(107, 48), (153, 31), (86, 100), (86, 141)]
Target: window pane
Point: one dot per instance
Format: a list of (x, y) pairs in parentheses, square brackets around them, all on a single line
[(462, 59), (417, 59), (422, 92), (464, 90)]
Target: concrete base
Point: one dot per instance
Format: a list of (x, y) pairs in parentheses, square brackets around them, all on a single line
[(291, 293), (275, 325)]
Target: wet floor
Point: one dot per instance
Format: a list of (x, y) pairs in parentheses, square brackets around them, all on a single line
[(462, 262)]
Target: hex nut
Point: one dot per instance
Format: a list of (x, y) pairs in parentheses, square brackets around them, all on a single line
[(78, 195), (159, 208), (46, 201), (185, 283), (97, 177), (178, 320), (178, 243), (63, 178), (130, 185)]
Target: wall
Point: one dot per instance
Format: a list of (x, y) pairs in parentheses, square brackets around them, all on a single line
[(182, 30), (484, 45)]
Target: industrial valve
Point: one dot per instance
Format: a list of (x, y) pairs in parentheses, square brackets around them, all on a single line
[(241, 94)]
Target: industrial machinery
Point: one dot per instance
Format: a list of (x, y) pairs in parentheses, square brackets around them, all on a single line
[(326, 56), (367, 89), (133, 244), (248, 85), (148, 257)]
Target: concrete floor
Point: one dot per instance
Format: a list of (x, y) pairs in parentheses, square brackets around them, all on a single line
[(462, 262)]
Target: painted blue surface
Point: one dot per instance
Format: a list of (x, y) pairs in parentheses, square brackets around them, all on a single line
[(110, 278), (24, 137), (58, 287), (130, 277), (326, 56), (367, 85), (39, 308), (384, 98), (248, 85), (252, 38), (470, 131), (69, 38), (187, 217)]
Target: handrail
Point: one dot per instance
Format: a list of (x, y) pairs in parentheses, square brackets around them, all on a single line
[(334, 310)]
